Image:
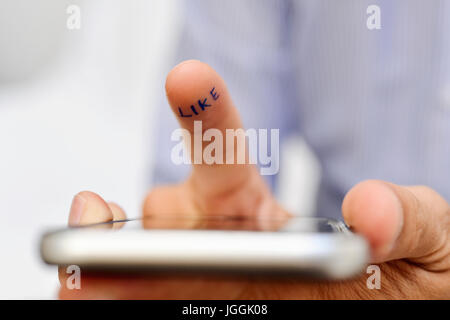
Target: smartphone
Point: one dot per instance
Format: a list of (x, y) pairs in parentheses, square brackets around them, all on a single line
[(296, 246)]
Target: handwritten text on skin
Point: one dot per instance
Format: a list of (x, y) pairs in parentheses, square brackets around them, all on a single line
[(202, 104), (222, 150)]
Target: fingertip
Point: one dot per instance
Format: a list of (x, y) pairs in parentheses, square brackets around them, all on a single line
[(195, 91), (373, 210), (183, 73), (118, 214), (117, 211), (87, 208)]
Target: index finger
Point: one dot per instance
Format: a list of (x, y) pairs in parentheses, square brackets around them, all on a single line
[(202, 104)]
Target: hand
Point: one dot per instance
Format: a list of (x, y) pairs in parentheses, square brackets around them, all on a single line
[(407, 227)]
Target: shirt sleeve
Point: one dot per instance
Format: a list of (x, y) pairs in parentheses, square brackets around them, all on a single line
[(249, 44)]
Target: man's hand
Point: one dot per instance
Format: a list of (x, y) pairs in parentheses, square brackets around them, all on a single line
[(407, 227)]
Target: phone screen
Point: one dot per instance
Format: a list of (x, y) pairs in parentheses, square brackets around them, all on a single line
[(221, 223)]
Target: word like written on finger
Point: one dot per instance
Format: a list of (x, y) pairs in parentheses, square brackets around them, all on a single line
[(234, 151), (202, 104)]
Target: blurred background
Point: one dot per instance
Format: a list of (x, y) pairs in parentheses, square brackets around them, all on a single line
[(76, 111)]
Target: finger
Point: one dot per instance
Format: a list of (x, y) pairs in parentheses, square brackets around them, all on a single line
[(400, 222), (87, 208), (197, 93), (118, 214)]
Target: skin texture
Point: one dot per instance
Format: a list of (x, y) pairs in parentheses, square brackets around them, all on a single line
[(407, 227)]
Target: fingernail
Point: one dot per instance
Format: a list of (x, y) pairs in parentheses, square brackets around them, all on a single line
[(76, 210)]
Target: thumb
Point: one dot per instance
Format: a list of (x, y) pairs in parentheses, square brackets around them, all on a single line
[(401, 222)]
